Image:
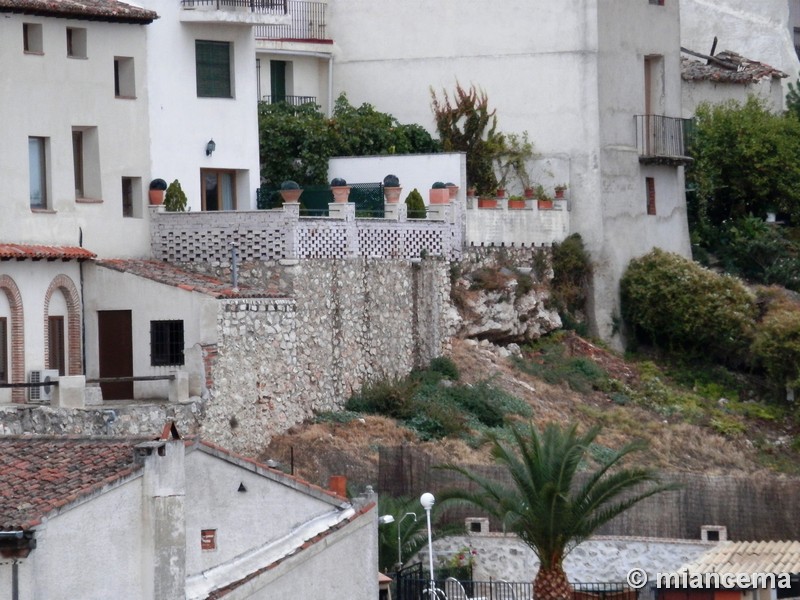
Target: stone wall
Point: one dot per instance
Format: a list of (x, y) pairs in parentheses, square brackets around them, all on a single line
[(342, 324), (124, 419)]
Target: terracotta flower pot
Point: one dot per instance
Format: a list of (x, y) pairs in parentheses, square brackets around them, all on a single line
[(341, 193), (392, 194), (516, 204), (439, 196), (559, 193), (453, 189), (156, 197), (545, 204), (487, 202), (291, 195)]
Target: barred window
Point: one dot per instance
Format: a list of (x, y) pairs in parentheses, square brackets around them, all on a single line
[(213, 66), (166, 343)]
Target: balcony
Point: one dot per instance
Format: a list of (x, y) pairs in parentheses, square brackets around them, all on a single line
[(660, 140), (307, 23), (235, 12), (291, 100)]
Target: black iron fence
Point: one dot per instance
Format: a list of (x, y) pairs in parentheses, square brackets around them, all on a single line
[(368, 198), (410, 584), (658, 136), (292, 100), (268, 6), (308, 23)]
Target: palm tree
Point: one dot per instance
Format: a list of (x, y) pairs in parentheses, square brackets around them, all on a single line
[(547, 506)]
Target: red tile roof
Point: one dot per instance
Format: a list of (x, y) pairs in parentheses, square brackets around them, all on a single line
[(728, 67), (92, 10), (169, 274), (27, 251), (40, 474)]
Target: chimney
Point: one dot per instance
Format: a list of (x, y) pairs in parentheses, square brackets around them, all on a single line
[(713, 533), (163, 519), (338, 485)]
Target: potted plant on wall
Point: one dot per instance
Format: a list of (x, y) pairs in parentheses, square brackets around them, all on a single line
[(340, 189), (453, 189), (439, 193), (391, 189), (516, 202), (290, 191), (175, 199), (543, 201), (156, 191), (560, 189)]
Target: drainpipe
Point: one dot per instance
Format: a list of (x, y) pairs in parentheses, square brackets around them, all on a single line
[(83, 307)]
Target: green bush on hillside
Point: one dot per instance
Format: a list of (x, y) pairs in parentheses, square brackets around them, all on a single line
[(776, 346), (679, 306)]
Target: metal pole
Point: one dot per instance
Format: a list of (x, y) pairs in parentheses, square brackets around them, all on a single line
[(427, 500)]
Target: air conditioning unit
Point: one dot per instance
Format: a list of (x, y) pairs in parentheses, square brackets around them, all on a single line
[(42, 393)]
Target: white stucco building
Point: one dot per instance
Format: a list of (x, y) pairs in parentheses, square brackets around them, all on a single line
[(575, 75), (96, 518)]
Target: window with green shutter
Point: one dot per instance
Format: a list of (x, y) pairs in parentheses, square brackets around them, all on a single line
[(213, 60)]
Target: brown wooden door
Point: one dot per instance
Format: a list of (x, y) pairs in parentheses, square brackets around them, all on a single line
[(115, 343)]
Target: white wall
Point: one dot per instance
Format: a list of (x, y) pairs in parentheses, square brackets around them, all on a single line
[(46, 95), (418, 171), (182, 124), (93, 551), (106, 289), (244, 521), (696, 92), (758, 30)]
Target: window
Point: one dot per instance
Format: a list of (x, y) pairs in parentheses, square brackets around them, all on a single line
[(166, 343), (56, 356), (650, 184), (37, 157), (131, 191), (213, 66), (658, 2), (76, 42), (3, 350), (218, 189), (86, 163), (32, 38), (277, 78), (124, 78)]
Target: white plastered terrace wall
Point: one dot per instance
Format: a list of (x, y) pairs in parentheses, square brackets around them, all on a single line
[(33, 279), (758, 30), (107, 289), (415, 171), (695, 93), (46, 95), (616, 227), (182, 123)]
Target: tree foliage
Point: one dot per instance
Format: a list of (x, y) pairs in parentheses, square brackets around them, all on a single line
[(416, 205), (465, 124), (572, 270), (547, 505), (297, 141), (776, 347), (678, 305), (746, 160)]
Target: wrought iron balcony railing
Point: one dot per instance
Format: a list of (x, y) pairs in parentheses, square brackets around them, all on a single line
[(293, 100), (661, 140), (263, 6), (308, 23)]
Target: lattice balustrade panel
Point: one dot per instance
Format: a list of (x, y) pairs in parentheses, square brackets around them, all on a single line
[(321, 242), (431, 240), (261, 244), (381, 242)]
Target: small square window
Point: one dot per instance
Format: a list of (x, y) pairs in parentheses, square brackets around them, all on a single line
[(166, 343), (76, 42), (650, 184), (208, 539), (32, 38), (657, 2), (124, 77)]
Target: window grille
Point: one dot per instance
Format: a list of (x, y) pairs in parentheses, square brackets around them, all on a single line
[(166, 343)]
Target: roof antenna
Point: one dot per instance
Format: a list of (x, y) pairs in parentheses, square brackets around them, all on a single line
[(713, 49)]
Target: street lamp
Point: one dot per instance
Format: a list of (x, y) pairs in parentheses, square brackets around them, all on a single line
[(427, 501), (399, 544)]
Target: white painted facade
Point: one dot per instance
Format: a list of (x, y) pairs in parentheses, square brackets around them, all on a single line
[(571, 73), (182, 123), (694, 93), (48, 95), (760, 30), (106, 545)]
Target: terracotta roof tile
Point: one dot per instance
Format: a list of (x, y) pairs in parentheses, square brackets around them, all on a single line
[(734, 69), (94, 10), (169, 274), (39, 474), (749, 557), (27, 251)]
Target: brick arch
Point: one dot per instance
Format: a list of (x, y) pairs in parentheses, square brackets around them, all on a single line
[(9, 287), (73, 298)]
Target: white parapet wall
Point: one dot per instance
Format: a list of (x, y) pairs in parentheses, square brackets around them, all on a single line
[(529, 226)]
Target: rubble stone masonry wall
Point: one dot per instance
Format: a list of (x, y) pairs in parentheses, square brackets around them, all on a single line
[(342, 324)]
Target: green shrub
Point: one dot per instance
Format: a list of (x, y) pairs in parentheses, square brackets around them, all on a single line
[(388, 397), (677, 305), (572, 270), (548, 361), (776, 346), (445, 366), (175, 199), (416, 205)]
